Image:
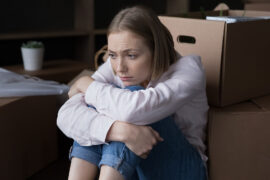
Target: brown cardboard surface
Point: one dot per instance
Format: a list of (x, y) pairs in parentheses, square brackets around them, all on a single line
[(257, 1), (203, 45), (28, 135), (238, 141), (235, 56), (262, 102), (4, 101), (245, 69), (258, 6)]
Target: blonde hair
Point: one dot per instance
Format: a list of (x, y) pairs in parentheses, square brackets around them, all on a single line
[(145, 23)]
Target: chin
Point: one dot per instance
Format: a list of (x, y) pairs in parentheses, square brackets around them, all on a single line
[(129, 84)]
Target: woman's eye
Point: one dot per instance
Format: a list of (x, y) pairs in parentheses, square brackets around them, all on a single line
[(112, 56), (132, 56)]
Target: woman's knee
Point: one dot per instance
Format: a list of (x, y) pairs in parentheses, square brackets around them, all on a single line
[(117, 156), (91, 154)]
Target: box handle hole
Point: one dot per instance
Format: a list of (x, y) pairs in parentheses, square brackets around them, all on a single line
[(186, 39)]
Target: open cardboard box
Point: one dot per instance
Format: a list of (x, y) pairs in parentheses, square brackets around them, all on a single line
[(235, 56), (28, 135), (239, 141)]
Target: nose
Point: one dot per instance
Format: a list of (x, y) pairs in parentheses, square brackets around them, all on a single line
[(121, 66)]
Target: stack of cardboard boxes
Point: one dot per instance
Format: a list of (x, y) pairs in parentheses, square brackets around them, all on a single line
[(237, 63)]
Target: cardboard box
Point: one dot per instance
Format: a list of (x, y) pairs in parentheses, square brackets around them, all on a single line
[(239, 141), (235, 56), (28, 135), (257, 1), (262, 6)]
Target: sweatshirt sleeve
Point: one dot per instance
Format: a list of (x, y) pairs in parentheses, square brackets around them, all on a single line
[(81, 123), (185, 79), (105, 74)]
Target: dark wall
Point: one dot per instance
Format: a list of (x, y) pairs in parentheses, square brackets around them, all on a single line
[(105, 10), (32, 15)]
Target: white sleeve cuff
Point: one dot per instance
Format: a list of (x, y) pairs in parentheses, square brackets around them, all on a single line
[(102, 129), (99, 129)]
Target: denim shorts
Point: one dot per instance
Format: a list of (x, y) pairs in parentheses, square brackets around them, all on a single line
[(113, 154)]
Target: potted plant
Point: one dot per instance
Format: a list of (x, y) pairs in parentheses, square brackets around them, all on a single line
[(32, 54)]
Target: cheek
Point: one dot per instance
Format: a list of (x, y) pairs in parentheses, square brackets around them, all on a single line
[(144, 70), (114, 66)]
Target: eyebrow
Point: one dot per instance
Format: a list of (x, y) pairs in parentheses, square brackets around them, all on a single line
[(126, 50)]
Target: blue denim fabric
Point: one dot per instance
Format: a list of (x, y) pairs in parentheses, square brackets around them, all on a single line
[(174, 158), (113, 154)]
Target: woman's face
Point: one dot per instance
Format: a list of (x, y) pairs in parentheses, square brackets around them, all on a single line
[(130, 58)]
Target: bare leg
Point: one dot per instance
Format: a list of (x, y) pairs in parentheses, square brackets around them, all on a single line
[(109, 173), (82, 170)]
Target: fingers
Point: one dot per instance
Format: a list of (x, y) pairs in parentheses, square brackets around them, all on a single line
[(145, 155), (157, 136), (71, 92)]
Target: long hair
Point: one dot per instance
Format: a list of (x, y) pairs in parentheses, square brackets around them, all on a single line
[(145, 23)]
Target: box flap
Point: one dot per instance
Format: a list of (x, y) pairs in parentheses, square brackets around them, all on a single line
[(244, 107), (207, 36), (5, 101)]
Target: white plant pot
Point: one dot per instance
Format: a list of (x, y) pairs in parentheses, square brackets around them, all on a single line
[(32, 58)]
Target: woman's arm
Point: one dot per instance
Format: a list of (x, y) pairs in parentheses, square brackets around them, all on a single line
[(142, 107), (88, 127), (81, 123)]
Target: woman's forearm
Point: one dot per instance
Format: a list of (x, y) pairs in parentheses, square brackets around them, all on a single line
[(139, 139), (81, 123), (118, 132), (80, 86), (143, 107)]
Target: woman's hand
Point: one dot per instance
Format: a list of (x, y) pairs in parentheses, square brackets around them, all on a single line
[(139, 139), (80, 86), (142, 139)]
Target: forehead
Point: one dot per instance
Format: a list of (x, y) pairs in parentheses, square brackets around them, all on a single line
[(119, 41)]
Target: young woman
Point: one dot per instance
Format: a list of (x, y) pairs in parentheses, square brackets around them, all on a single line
[(153, 132)]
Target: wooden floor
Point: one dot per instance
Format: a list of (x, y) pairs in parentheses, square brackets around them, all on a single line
[(56, 171)]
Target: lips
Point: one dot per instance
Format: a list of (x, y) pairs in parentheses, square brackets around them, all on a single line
[(125, 78)]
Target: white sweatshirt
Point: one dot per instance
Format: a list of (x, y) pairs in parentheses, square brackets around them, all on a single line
[(180, 91)]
